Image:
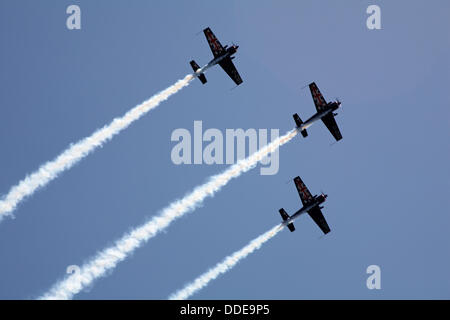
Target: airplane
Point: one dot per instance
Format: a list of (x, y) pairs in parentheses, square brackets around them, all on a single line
[(222, 57), (311, 205), (325, 112)]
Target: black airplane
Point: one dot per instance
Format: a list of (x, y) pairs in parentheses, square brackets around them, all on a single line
[(222, 57), (311, 204), (325, 112)]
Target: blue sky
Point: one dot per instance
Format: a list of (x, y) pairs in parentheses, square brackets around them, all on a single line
[(387, 180)]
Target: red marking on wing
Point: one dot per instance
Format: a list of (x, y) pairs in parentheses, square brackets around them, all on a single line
[(302, 188), (213, 41)]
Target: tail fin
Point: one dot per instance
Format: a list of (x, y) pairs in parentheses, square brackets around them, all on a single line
[(200, 76), (285, 216), (298, 123)]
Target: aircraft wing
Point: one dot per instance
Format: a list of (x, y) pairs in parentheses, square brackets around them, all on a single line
[(216, 48), (319, 100), (303, 191), (230, 69), (319, 219), (331, 124)]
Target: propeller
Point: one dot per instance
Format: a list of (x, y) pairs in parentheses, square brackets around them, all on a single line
[(323, 194)]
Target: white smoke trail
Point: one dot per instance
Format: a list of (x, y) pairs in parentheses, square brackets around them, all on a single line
[(225, 265), (122, 248), (67, 159)]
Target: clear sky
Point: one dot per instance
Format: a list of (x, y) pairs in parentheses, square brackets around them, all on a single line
[(388, 180)]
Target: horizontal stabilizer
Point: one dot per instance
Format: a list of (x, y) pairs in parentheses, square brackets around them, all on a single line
[(285, 216), (299, 123), (200, 76), (194, 65)]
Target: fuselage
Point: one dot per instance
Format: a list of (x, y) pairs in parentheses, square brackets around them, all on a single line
[(330, 107), (316, 201), (229, 52)]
